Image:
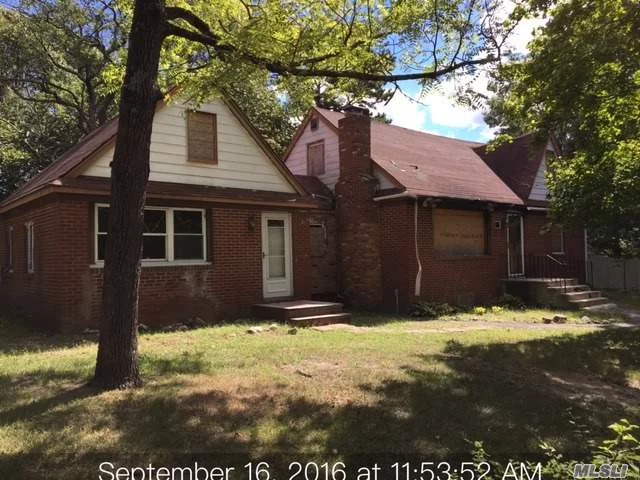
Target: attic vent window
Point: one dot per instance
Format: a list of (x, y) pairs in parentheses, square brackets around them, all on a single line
[(202, 137), (313, 124)]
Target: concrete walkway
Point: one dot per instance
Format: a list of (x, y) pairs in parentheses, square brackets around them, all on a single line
[(461, 326)]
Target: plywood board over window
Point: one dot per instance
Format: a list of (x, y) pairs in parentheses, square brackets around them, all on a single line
[(202, 141), (315, 158), (459, 232)]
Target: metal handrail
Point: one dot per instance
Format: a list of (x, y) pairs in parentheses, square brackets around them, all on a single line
[(551, 257)]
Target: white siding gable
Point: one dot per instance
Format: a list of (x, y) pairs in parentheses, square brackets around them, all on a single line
[(384, 182), (241, 161), (297, 158), (539, 191)]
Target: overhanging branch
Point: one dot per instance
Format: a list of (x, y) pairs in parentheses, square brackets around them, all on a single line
[(301, 68)]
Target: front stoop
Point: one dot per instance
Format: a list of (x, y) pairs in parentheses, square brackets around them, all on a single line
[(569, 293), (302, 313)]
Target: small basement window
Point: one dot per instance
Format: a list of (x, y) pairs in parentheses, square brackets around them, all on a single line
[(202, 137), (315, 158), (30, 247), (170, 234)]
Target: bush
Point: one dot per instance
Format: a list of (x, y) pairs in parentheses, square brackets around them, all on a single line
[(496, 309), (623, 448), (511, 302), (479, 310), (432, 310)]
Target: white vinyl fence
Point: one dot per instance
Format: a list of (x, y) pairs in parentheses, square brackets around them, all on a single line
[(607, 272)]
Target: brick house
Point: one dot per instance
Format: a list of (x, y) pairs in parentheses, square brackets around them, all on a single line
[(421, 216), (226, 225), (376, 215)]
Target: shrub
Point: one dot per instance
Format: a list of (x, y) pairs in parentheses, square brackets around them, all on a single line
[(511, 302), (432, 310), (479, 310), (623, 448), (496, 309)]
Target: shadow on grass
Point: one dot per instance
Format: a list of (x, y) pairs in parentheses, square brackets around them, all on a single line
[(564, 390), (15, 339)]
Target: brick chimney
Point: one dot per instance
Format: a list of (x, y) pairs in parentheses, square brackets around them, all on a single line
[(358, 225)]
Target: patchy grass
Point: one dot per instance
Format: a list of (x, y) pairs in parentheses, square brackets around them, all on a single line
[(533, 316), (219, 394)]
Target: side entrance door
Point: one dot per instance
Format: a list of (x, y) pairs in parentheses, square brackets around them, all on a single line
[(277, 276), (515, 245)]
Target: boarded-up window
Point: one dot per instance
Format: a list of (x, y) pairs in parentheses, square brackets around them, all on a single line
[(459, 232), (315, 158), (202, 142), (318, 241), (557, 239)]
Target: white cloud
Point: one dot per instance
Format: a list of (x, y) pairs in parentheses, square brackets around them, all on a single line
[(438, 109), (405, 112)]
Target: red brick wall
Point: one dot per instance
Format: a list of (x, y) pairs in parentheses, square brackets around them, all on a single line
[(66, 293), (538, 242), (398, 254), (42, 296), (453, 279), (359, 232)]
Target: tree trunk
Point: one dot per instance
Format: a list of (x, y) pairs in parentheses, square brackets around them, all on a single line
[(117, 363)]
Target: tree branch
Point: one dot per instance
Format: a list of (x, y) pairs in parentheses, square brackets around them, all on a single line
[(302, 68)]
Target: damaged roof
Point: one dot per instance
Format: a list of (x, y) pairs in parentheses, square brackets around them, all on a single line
[(432, 166)]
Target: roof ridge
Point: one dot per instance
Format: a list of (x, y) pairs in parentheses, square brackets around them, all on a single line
[(411, 130)]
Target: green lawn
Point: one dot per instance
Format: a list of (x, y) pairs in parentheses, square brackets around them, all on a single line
[(400, 386)]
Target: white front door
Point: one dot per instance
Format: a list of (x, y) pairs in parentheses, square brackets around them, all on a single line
[(276, 255)]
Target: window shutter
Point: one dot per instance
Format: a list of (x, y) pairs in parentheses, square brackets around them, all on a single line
[(315, 158), (202, 142)]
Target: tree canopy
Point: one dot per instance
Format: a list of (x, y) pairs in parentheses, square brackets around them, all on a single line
[(581, 82)]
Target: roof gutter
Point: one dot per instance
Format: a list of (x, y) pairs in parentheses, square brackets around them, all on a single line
[(404, 194), (538, 209)]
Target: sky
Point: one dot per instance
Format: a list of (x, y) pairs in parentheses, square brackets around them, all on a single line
[(438, 113)]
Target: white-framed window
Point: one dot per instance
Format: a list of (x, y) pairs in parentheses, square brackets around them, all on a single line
[(10, 248), (171, 235), (30, 247)]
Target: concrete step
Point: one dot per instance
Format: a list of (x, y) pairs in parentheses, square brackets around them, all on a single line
[(317, 320), (561, 282), (581, 295), (601, 308), (569, 288), (284, 311), (589, 302)]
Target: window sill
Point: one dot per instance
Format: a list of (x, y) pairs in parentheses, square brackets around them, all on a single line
[(183, 263)]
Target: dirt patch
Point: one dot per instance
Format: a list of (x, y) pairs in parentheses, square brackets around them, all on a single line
[(590, 389)]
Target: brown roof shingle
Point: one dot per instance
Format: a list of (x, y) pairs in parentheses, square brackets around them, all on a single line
[(86, 146), (516, 163), (433, 166)]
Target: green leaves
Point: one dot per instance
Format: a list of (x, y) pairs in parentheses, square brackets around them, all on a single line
[(581, 82)]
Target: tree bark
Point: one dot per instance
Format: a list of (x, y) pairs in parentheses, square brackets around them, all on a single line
[(117, 363)]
